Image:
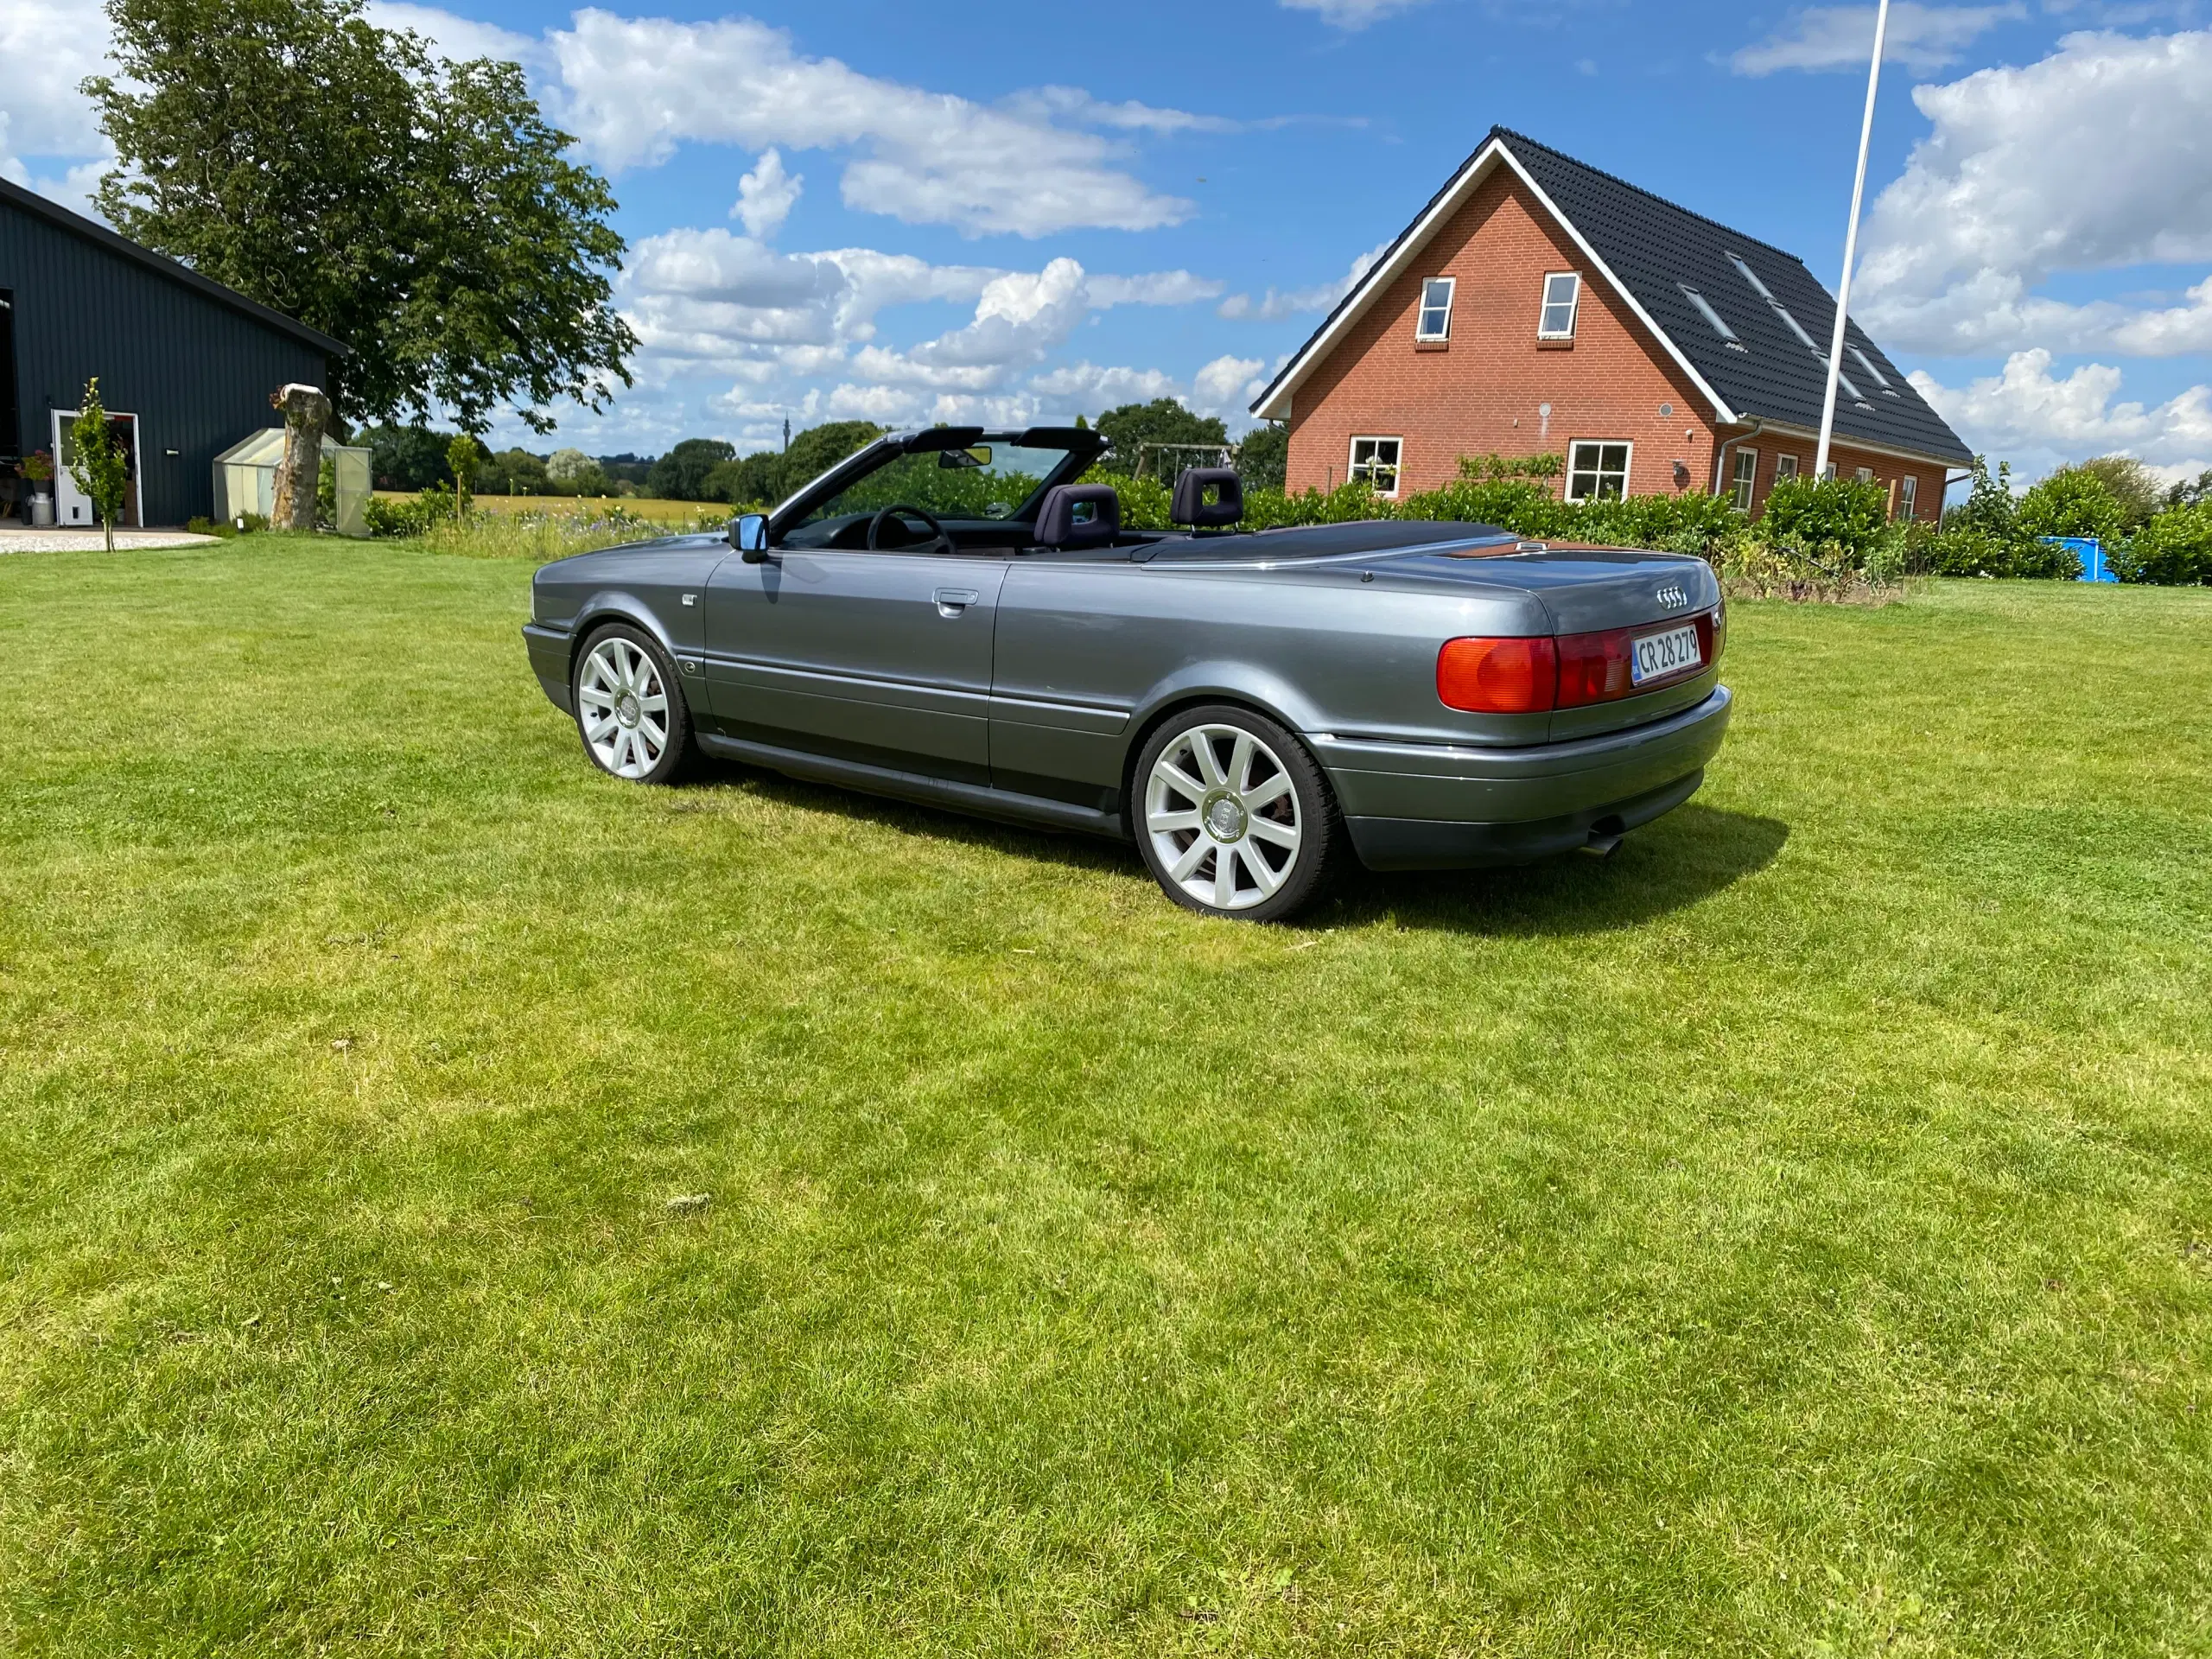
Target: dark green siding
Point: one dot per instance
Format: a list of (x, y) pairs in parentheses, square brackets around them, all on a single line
[(196, 372)]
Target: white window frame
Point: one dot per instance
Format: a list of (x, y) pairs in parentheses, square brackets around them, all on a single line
[(1865, 474), (1628, 465), (1545, 303), (1908, 496), (1781, 461), (1397, 468), (1744, 480), (1422, 310)]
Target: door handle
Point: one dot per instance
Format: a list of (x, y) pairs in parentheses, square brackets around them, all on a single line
[(952, 602)]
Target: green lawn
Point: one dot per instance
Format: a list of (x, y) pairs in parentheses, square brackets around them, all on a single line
[(1791, 1238)]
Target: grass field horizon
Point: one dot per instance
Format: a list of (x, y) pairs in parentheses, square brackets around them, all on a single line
[(1792, 1235)]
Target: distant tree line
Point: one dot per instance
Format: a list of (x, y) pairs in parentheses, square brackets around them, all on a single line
[(416, 457)]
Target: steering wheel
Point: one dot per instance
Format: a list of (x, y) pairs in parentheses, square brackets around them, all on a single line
[(943, 543)]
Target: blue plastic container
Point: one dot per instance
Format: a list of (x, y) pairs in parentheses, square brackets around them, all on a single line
[(2091, 552)]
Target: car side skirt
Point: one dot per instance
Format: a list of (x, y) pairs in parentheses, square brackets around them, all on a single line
[(1032, 811)]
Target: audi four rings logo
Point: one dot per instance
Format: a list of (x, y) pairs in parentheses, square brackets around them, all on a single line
[(1673, 598)]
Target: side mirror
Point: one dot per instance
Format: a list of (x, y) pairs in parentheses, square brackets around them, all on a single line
[(749, 534)]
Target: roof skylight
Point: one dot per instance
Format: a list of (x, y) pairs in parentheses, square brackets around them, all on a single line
[(1705, 309), (1872, 368)]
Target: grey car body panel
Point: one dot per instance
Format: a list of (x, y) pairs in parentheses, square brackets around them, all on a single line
[(888, 652), (1018, 683)]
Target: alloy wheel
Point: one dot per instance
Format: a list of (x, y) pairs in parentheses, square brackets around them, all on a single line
[(624, 707), (1223, 817)]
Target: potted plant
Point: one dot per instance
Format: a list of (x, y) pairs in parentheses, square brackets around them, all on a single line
[(38, 467)]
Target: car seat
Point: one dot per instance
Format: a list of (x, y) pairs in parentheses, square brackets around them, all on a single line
[(1079, 515), (1190, 507)]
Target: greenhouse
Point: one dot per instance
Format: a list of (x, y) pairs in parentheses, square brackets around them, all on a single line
[(246, 480)]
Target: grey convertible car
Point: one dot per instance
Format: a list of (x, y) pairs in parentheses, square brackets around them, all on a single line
[(948, 616)]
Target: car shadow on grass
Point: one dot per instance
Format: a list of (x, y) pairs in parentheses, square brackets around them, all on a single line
[(1667, 865), (1674, 861)]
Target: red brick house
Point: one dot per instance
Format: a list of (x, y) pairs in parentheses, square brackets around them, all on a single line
[(1538, 306)]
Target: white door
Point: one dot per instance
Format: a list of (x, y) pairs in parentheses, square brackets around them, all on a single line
[(70, 504)]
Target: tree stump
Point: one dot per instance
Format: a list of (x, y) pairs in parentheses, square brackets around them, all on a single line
[(299, 474)]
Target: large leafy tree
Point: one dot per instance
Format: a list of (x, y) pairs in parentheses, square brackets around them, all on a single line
[(681, 474), (1134, 431), (1264, 459), (422, 211)]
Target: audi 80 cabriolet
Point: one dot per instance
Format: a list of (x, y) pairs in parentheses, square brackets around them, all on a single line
[(948, 617)]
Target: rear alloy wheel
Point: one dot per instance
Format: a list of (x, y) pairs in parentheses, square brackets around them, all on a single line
[(1234, 818), (629, 708)]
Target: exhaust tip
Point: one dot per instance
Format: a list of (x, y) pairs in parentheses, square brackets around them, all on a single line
[(1605, 837)]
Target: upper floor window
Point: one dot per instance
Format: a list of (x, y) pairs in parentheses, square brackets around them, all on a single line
[(1747, 474), (1375, 461), (1597, 471), (1435, 321), (1562, 293)]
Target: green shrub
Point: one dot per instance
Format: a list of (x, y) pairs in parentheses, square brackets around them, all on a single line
[(1962, 550), (1516, 504), (436, 505), (2174, 548), (2073, 501), (1835, 521), (1989, 505)]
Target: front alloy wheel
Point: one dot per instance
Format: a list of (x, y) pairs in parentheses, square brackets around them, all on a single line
[(630, 714), (1236, 819)]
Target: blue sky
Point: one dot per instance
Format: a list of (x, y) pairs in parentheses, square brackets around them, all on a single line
[(1015, 212)]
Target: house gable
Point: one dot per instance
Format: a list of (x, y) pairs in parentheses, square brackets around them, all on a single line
[(1493, 385), (1649, 252)]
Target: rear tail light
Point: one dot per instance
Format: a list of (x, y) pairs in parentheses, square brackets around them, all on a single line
[(1498, 677), (1531, 676)]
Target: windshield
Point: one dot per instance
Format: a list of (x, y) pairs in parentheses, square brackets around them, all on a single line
[(988, 481)]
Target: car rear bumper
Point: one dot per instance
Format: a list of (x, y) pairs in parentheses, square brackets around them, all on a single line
[(549, 660), (1426, 806)]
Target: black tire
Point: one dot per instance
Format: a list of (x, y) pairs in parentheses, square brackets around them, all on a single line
[(1317, 828), (630, 760)]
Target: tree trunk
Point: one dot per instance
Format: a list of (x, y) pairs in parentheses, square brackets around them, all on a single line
[(299, 474)]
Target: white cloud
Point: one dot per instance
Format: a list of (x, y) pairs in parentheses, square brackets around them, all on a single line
[(2040, 421), (1073, 103), (766, 196), (459, 38), (1086, 384), (50, 46), (634, 88), (1351, 13), (1154, 288), (1273, 305), (2092, 159), (1226, 387), (708, 302), (1922, 38)]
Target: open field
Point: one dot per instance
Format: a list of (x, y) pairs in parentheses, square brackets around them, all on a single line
[(1793, 1237), (652, 507)]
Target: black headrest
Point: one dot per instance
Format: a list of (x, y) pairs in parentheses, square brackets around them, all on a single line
[(1060, 525), (1191, 506)]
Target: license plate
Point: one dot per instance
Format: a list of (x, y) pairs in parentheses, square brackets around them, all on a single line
[(1655, 656)]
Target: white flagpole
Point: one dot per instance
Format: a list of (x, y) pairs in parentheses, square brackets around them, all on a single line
[(1851, 244)]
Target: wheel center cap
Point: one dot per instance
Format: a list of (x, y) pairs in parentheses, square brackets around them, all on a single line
[(1225, 818), (626, 710)]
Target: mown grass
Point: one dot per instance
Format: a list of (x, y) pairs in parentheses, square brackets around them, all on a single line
[(1792, 1236)]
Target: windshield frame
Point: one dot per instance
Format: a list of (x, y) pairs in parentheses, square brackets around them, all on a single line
[(1082, 445)]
